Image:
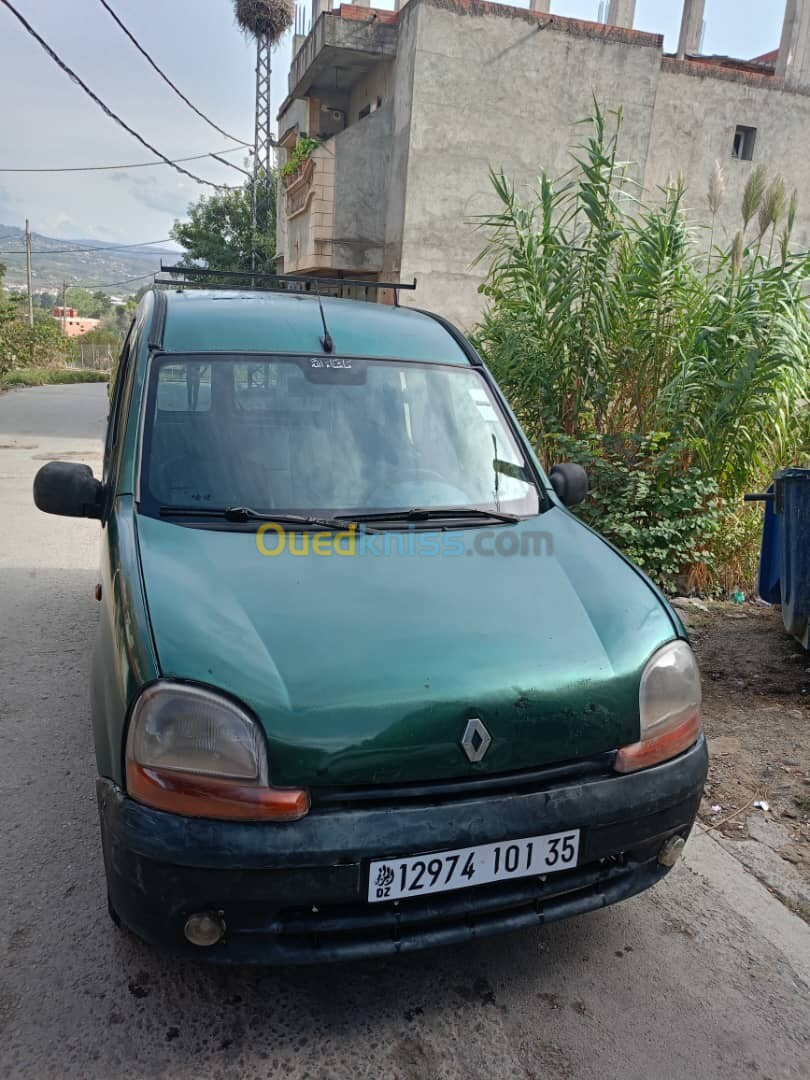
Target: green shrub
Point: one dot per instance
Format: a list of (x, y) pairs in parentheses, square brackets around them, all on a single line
[(36, 376), (21, 346), (661, 515)]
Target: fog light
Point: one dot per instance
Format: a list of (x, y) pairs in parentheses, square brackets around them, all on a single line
[(204, 928), (671, 851)]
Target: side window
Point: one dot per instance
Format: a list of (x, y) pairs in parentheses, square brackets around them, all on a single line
[(116, 396)]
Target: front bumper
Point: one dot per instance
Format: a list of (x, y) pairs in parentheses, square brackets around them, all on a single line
[(294, 893)]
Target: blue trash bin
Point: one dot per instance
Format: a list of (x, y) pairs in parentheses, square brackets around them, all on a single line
[(784, 565), (770, 555)]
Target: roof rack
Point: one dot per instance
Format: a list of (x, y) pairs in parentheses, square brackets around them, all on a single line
[(200, 277)]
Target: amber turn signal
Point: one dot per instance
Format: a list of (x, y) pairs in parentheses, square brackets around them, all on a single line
[(661, 747), (196, 795)]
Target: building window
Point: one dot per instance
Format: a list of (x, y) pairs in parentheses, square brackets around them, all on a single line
[(364, 112), (744, 139)]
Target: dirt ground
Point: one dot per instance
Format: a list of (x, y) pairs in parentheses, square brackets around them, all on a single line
[(756, 686)]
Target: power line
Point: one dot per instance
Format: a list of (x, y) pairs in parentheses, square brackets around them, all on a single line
[(105, 108), (99, 250), (112, 284), (216, 157), (135, 165), (165, 77)]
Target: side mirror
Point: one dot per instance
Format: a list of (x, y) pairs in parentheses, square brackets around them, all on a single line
[(570, 481), (63, 487)]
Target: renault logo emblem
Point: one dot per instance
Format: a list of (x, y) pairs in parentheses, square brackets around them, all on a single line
[(475, 740)]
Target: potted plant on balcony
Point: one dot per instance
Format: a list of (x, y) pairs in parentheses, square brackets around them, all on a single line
[(302, 152)]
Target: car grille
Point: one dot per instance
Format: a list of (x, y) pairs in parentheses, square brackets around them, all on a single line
[(433, 793)]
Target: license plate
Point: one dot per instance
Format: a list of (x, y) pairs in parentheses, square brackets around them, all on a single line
[(441, 871)]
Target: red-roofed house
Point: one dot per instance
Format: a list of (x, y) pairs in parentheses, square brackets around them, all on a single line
[(72, 323)]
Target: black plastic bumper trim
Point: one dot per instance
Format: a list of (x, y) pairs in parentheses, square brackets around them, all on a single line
[(295, 893)]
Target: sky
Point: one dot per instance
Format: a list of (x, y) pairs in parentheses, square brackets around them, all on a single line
[(48, 121)]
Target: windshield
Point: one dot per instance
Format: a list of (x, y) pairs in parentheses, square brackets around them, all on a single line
[(327, 434)]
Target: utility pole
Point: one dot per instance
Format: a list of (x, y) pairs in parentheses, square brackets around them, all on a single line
[(28, 272), (64, 307), (265, 22), (263, 141)]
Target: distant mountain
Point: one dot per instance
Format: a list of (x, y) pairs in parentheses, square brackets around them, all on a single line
[(54, 261)]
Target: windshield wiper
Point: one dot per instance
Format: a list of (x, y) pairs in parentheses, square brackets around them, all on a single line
[(427, 513), (247, 513)]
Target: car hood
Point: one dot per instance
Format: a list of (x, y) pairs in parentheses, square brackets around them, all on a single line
[(365, 669)]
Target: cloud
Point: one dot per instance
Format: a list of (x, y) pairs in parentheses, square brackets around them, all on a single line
[(9, 207), (168, 198)]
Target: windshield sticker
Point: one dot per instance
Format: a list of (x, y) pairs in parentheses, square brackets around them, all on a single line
[(483, 404), (334, 362), (338, 370)]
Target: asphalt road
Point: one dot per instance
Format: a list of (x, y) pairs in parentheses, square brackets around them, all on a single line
[(706, 976)]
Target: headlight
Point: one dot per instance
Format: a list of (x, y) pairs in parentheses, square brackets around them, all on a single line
[(190, 751), (669, 707)]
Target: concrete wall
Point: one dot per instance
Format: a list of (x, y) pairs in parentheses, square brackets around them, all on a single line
[(498, 88), (295, 115), (695, 117), (377, 84), (402, 89), (362, 165), (475, 86), (503, 90)]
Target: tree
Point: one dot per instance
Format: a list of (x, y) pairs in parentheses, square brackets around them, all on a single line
[(90, 305), (218, 232), (20, 345), (5, 307), (10, 310), (43, 346), (122, 315), (102, 303)]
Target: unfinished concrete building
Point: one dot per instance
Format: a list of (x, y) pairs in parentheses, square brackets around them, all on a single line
[(413, 107)]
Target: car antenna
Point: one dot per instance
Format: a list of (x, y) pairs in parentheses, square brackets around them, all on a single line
[(326, 340)]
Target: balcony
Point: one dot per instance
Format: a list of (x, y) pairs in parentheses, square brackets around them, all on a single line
[(341, 47), (309, 202), (332, 209)]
